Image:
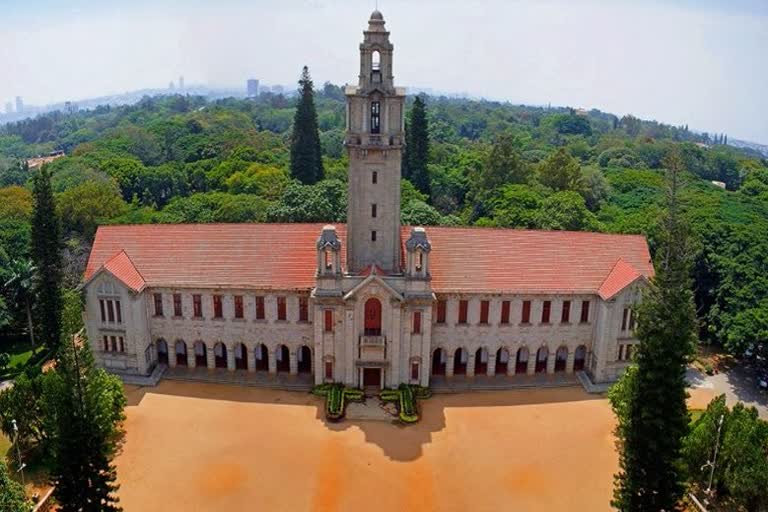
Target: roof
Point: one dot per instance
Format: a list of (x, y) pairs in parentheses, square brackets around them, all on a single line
[(283, 257), (622, 275), (121, 266)]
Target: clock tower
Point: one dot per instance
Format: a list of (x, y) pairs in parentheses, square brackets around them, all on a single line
[(374, 141)]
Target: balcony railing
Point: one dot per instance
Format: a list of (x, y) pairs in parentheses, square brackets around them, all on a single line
[(372, 340)]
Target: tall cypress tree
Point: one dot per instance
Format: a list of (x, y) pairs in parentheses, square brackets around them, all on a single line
[(46, 248), (416, 154), (306, 155), (652, 413)]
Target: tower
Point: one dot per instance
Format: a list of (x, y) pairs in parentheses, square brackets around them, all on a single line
[(374, 142)]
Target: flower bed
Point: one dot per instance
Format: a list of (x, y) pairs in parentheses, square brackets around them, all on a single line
[(405, 397), (336, 396)]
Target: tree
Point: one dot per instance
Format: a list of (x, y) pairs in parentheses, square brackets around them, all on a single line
[(325, 201), (566, 211), (503, 165), (419, 213), (561, 172), (12, 498), (653, 417), (46, 248), (22, 402), (306, 155), (15, 203), (21, 282), (84, 415), (416, 154)]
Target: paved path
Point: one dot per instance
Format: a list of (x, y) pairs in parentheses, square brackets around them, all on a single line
[(738, 385)]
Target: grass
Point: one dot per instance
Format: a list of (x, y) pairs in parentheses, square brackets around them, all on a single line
[(5, 445), (21, 353)]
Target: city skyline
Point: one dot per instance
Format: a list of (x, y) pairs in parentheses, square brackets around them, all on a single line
[(699, 65)]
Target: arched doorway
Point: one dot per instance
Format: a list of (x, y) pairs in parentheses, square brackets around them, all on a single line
[(502, 361), (542, 355), (201, 355), (220, 355), (241, 357), (181, 353), (460, 362), (438, 362), (262, 358), (283, 359), (579, 358), (373, 317), (561, 358), (305, 359), (481, 361), (162, 351), (521, 364)]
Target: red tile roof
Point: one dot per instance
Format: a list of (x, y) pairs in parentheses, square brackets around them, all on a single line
[(622, 275), (283, 256), (121, 266)]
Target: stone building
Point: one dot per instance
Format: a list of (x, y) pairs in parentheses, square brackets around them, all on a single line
[(369, 303)]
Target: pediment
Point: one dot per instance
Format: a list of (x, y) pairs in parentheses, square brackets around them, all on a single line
[(374, 285)]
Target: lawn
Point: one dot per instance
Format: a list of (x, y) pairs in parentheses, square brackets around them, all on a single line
[(21, 353), (5, 445)]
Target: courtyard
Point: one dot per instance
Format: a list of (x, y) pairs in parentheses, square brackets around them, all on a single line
[(193, 446)]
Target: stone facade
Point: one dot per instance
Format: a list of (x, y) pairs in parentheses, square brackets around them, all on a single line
[(377, 321)]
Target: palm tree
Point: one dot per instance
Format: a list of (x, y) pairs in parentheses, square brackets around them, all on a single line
[(22, 276)]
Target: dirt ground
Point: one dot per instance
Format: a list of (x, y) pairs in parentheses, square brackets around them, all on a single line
[(196, 447)]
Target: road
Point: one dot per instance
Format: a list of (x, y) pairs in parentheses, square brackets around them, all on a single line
[(738, 384)]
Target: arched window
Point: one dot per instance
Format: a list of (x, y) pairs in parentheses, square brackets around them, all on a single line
[(373, 317), (262, 358), (579, 358), (438, 362), (201, 355), (481, 361), (241, 357), (304, 359), (521, 364), (502, 361), (181, 353), (283, 359), (162, 351), (220, 355), (542, 355), (561, 358), (460, 362), (376, 60), (375, 117)]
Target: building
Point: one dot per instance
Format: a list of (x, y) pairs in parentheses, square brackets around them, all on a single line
[(181, 82), (369, 303), (19, 105), (9, 107), (252, 88)]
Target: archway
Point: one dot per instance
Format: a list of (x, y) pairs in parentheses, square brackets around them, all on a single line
[(542, 355), (579, 358), (262, 358), (162, 351), (502, 361), (283, 359), (460, 362), (181, 353), (561, 358), (373, 317), (201, 355), (481, 361), (305, 359), (438, 362), (521, 364), (220, 355), (241, 357)]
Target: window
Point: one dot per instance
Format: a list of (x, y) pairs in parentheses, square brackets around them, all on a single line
[(158, 304), (373, 236), (177, 304), (441, 307), (113, 342), (373, 210), (239, 313), (584, 311), (122, 344), (419, 260), (624, 317), (259, 308), (375, 177), (414, 371), (281, 312), (197, 306), (416, 329), (632, 318), (303, 309), (463, 307), (526, 317), (565, 316), (218, 310), (119, 312), (621, 353), (328, 323), (106, 343), (103, 310), (628, 352), (376, 60), (375, 117), (110, 311), (329, 370), (546, 309), (328, 259), (484, 306), (504, 312)]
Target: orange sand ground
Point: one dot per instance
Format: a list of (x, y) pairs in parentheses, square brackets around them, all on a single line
[(195, 447)]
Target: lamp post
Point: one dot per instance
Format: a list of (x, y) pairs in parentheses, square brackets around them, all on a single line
[(18, 451), (714, 458)]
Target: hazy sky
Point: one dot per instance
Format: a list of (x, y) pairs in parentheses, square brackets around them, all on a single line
[(700, 62)]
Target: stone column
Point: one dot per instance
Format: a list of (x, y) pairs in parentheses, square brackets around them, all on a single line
[(250, 356), (293, 362), (425, 368), (272, 355), (350, 346), (393, 376), (512, 363), (470, 363), (231, 358), (172, 354), (551, 362), (449, 364), (491, 363), (569, 362), (209, 355), (318, 342), (531, 363), (191, 356)]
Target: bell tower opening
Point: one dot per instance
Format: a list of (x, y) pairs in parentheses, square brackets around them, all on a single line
[(374, 142)]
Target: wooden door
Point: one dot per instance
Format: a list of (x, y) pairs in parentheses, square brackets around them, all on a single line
[(372, 377), (373, 317)]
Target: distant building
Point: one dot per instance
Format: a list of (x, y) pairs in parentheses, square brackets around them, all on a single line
[(252, 87), (181, 82), (9, 108), (70, 107), (277, 89), (19, 105), (171, 86)]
